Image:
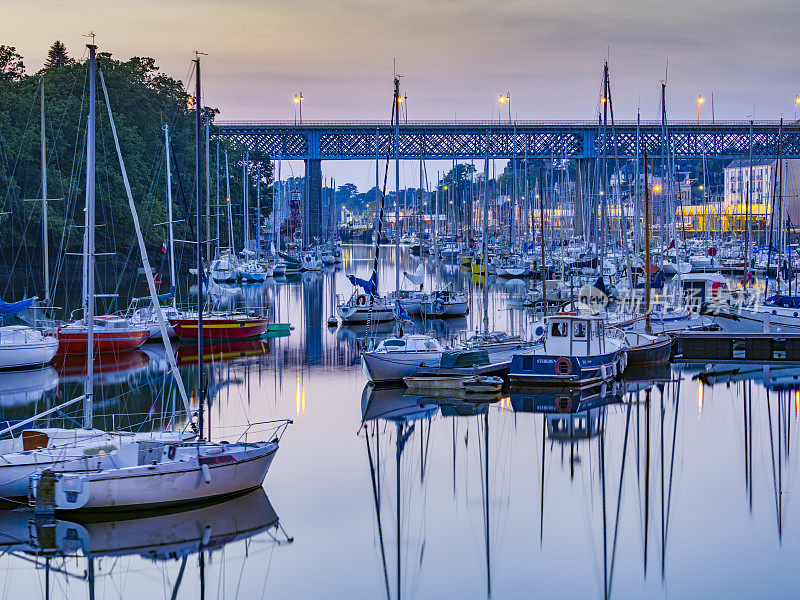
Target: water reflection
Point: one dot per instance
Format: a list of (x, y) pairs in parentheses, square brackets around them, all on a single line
[(69, 553), (675, 481)]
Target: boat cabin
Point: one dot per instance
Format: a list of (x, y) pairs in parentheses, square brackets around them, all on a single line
[(410, 343), (699, 288), (570, 334)]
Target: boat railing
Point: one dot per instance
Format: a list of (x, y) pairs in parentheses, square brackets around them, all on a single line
[(276, 429)]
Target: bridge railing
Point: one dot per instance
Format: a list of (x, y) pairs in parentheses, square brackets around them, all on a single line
[(332, 124)]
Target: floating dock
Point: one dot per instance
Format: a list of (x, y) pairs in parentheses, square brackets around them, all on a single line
[(715, 346)]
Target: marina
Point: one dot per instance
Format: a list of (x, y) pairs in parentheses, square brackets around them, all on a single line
[(410, 346)]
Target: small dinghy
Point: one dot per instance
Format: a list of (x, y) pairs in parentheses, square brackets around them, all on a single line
[(482, 384)]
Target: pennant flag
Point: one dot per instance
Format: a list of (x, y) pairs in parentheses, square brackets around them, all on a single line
[(164, 246)]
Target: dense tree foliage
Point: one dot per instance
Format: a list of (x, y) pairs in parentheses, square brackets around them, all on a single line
[(142, 100)]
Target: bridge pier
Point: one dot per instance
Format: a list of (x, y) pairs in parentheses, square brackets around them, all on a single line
[(312, 206)]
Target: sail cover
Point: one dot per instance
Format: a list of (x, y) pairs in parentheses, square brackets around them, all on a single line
[(12, 308), (418, 276), (370, 287)]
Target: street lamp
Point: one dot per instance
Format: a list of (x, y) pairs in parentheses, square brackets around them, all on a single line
[(796, 102), (298, 100), (506, 98), (700, 100)]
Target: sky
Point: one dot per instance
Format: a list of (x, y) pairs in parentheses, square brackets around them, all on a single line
[(455, 56)]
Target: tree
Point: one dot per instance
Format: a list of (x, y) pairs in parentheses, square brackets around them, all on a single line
[(11, 66), (57, 56)]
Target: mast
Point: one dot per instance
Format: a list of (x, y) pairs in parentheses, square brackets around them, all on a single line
[(541, 225), (485, 238), (397, 101), (172, 278), (646, 246), (228, 200), (747, 211), (89, 257), (208, 191), (246, 199), (45, 242), (258, 211), (201, 392)]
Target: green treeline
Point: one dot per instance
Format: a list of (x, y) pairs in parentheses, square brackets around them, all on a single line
[(142, 100)]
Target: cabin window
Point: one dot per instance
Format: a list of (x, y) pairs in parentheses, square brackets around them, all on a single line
[(559, 329), (579, 330), (394, 343)]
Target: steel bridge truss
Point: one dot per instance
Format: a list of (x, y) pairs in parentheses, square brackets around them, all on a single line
[(464, 140)]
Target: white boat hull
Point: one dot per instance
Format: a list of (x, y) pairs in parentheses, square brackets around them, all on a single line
[(382, 367), (14, 356), (165, 483), (361, 314)]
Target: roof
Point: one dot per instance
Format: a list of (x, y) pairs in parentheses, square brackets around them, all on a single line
[(744, 163)]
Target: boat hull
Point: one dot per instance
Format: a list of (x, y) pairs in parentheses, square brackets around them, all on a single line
[(569, 371), (15, 356), (383, 367), (361, 314), (164, 484), (113, 341), (220, 329)]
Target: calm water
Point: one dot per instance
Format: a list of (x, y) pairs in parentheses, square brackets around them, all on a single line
[(670, 486)]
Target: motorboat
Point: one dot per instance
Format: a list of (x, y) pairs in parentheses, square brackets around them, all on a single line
[(401, 356), (110, 333), (647, 349), (578, 350)]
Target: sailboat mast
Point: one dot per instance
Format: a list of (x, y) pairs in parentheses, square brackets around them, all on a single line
[(246, 198), (397, 101), (172, 278), (258, 210), (228, 201), (89, 258), (199, 245), (45, 248), (208, 189)]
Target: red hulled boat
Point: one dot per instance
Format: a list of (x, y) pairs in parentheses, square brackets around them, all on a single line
[(110, 334), (229, 326)]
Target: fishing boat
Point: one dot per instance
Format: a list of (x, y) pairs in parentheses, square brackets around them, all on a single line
[(221, 326), (401, 356), (578, 350), (111, 333)]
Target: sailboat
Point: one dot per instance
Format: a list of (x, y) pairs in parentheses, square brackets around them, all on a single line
[(103, 333), (161, 472), (51, 447), (21, 345)]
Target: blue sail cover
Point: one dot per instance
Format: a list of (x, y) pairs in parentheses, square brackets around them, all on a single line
[(401, 314), (12, 308), (145, 300), (370, 287)]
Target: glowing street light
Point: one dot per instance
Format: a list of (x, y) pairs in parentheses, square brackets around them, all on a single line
[(502, 99), (298, 101), (700, 100), (796, 102), (656, 188)]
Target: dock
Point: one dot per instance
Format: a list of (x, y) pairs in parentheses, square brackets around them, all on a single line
[(714, 346)]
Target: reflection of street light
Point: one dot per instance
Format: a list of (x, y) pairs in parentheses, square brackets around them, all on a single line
[(656, 189), (700, 100), (298, 100)]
